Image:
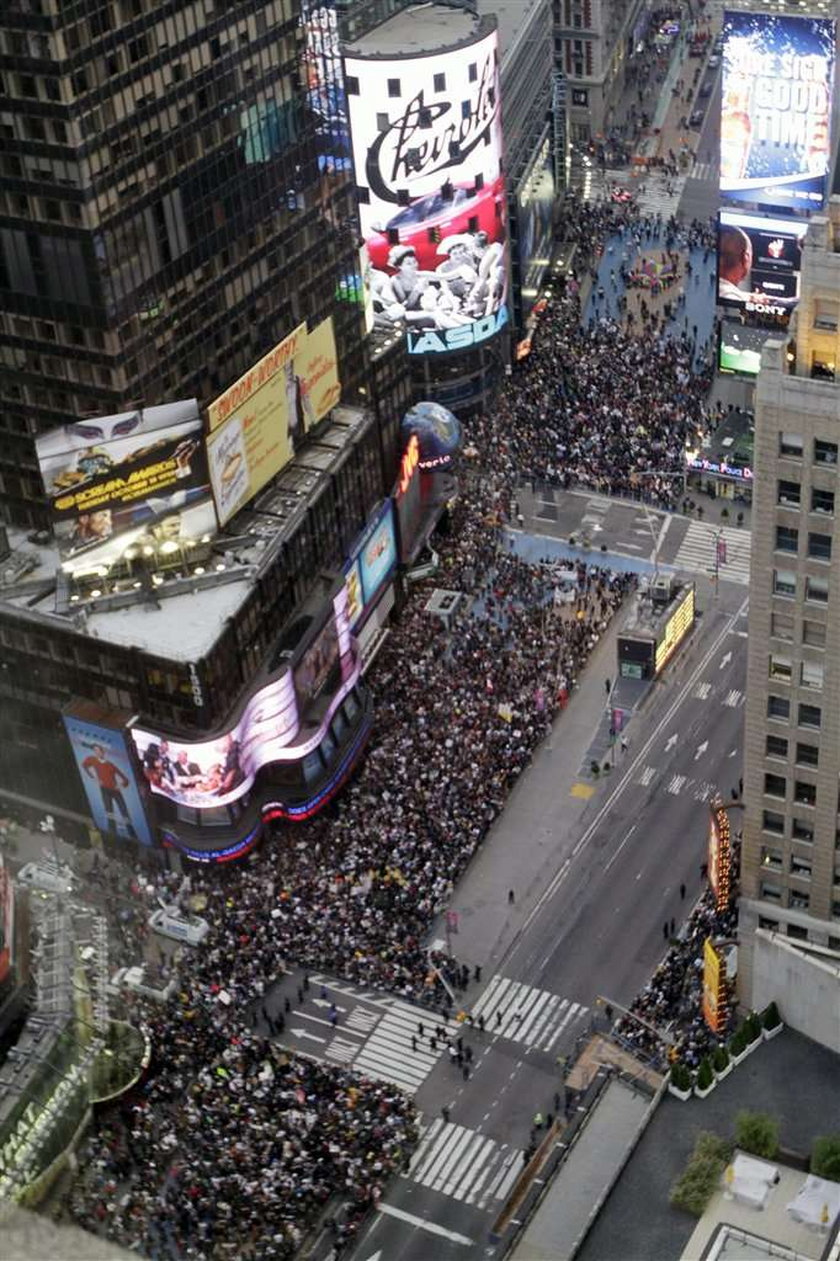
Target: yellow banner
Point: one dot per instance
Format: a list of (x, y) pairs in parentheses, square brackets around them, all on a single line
[(714, 976), (257, 424)]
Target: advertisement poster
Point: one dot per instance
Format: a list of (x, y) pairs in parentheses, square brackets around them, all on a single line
[(427, 146), (378, 553), (324, 86), (134, 479), (778, 74), (108, 779), (216, 772), (316, 664), (740, 347), (355, 596), (257, 424), (759, 261)]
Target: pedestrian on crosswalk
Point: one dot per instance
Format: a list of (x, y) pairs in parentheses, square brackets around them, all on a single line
[(420, 1027), (682, 892), (498, 1018), (433, 1043), (323, 992), (453, 1055), (477, 973), (300, 995), (413, 1042), (444, 1112), (306, 983), (460, 1043), (287, 1006), (481, 1023)]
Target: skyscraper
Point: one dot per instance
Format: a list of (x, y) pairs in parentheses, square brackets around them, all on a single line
[(177, 197), (790, 878)]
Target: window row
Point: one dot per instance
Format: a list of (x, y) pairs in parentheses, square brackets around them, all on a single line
[(787, 540), (792, 447), (778, 707), (806, 754), (785, 584), (811, 673), (798, 866), (789, 495), (800, 829), (777, 785), (796, 901), (783, 626)]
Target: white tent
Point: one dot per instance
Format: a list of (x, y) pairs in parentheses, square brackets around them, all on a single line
[(749, 1181), (817, 1204)]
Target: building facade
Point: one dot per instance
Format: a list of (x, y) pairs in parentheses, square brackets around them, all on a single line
[(790, 873), (593, 40)]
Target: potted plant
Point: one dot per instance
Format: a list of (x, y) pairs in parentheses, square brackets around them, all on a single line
[(705, 1083), (752, 1026), (738, 1048), (771, 1022), (680, 1081), (721, 1063)]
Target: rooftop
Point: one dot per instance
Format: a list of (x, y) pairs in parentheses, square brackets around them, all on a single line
[(419, 29), (515, 19), (771, 1224), (179, 614)]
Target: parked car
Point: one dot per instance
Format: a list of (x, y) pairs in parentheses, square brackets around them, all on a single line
[(189, 928), (696, 119), (706, 89), (714, 61), (423, 224), (46, 876)]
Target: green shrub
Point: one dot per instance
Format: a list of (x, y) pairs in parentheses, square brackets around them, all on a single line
[(680, 1076), (825, 1157), (720, 1059), (752, 1026), (701, 1176), (738, 1041), (705, 1076), (770, 1017), (757, 1133)]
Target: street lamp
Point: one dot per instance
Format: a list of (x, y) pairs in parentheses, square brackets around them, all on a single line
[(648, 517)]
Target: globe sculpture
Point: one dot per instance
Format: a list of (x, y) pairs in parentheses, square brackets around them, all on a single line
[(438, 433)]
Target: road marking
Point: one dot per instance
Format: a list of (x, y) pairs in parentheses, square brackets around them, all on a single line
[(676, 784), (431, 1227), (301, 1033), (671, 741), (525, 1014), (725, 660), (647, 775), (733, 699), (701, 749), (621, 847), (582, 790), (666, 525), (702, 691), (704, 792), (464, 1164)]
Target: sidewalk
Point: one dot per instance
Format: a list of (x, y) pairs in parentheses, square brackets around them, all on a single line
[(539, 827)]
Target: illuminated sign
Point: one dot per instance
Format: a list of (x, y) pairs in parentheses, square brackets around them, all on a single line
[(676, 628), (408, 464), (135, 480), (427, 148), (740, 347), (759, 261), (258, 423), (715, 1011), (776, 109), (373, 558), (720, 855), (107, 776), (701, 463)]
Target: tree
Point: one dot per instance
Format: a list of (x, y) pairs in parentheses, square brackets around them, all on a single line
[(701, 1176), (770, 1017), (825, 1157), (705, 1076), (680, 1076), (757, 1133)]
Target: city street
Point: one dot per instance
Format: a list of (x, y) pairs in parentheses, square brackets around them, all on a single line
[(595, 930)]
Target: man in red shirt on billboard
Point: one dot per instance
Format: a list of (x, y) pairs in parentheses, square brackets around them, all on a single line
[(111, 781)]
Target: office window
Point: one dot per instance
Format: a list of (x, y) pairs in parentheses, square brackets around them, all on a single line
[(784, 582), (778, 707), (771, 925), (816, 590), (775, 785), (777, 746), (791, 445), (789, 494), (825, 452), (804, 794), (801, 830), (773, 822), (807, 754), (822, 501), (813, 634), (393, 87), (810, 716), (439, 81), (811, 674), (769, 891), (787, 538), (781, 668), (819, 546), (781, 626), (796, 930), (771, 858), (798, 902)]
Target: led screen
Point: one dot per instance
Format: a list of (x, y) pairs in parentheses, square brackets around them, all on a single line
[(759, 262), (324, 85), (378, 553), (427, 148), (776, 109), (740, 347), (534, 210), (134, 480), (316, 664), (108, 779)]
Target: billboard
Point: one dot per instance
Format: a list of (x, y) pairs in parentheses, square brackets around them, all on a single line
[(758, 266), (715, 1012), (427, 147), (317, 663), (719, 854), (675, 630), (257, 424), (324, 86), (134, 479), (776, 109), (7, 921), (211, 773), (534, 212), (108, 779), (740, 347), (378, 553)]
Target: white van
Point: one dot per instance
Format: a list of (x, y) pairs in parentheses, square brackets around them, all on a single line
[(48, 877), (135, 980), (189, 928)]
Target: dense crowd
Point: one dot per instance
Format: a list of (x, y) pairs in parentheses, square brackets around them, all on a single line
[(229, 1149)]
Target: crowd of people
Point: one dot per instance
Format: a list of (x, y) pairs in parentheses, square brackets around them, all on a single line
[(229, 1148)]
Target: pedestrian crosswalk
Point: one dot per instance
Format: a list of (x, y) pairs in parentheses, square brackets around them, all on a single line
[(525, 1014), (706, 171), (389, 1052), (699, 548), (464, 1164)]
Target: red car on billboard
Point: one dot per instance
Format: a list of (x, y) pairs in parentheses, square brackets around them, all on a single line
[(448, 211)]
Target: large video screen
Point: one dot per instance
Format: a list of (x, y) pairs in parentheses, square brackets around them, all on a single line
[(258, 424), (778, 74), (759, 261), (324, 85), (534, 211), (108, 778), (316, 664), (427, 147), (216, 772), (740, 347), (136, 479)]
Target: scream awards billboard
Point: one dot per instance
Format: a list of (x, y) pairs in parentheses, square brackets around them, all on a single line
[(427, 148), (257, 425), (778, 74), (133, 479)]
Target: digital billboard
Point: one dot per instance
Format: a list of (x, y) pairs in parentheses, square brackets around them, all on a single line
[(427, 148), (534, 214), (127, 480), (257, 424), (776, 109), (378, 553), (315, 666), (216, 772), (108, 779), (740, 347), (759, 261), (324, 86)]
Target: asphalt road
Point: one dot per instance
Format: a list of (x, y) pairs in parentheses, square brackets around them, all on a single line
[(596, 930)]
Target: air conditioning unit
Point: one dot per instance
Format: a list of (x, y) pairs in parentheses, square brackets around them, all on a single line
[(660, 589)]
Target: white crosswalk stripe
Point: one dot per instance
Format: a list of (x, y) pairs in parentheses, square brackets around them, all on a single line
[(697, 552), (676, 784), (704, 792), (647, 775), (387, 1052), (464, 1164), (703, 171), (701, 692), (733, 699), (534, 1017), (361, 1019)]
